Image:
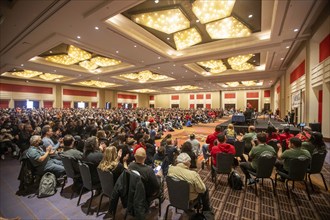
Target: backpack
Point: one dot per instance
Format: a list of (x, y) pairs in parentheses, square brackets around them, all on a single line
[(47, 186), (235, 181), (26, 178)]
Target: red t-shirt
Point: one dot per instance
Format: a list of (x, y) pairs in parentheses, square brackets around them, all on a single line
[(211, 138), (286, 137), (222, 148)]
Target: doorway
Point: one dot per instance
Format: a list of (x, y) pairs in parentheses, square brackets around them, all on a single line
[(254, 103), (266, 107)]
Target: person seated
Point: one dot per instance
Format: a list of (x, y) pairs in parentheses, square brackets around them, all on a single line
[(249, 138), (70, 151), (305, 134), (40, 159), (286, 136), (187, 148), (222, 147), (230, 134), (6, 142), (197, 188), (47, 133), (171, 150), (141, 143), (272, 133), (207, 147), (315, 144), (110, 162), (195, 144), (161, 160), (151, 182), (254, 155), (295, 151)]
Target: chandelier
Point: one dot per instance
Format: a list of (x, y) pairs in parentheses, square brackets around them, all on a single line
[(207, 11), (249, 83), (240, 59), (144, 76), (185, 87), (144, 90), (99, 84), (26, 73), (232, 84), (215, 66), (242, 67), (49, 76), (187, 38)]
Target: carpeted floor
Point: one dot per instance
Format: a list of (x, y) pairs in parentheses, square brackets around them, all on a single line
[(227, 203)]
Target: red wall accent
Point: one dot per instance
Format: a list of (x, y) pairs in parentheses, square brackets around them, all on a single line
[(320, 106), (94, 105), (324, 51), (174, 97), (298, 72), (252, 95), (25, 89), (134, 105), (79, 93), (278, 89), (192, 97), (192, 106), (126, 96), (119, 105), (208, 106), (66, 104), (267, 93), (199, 96), (230, 95), (208, 96), (48, 104), (4, 103), (152, 97)]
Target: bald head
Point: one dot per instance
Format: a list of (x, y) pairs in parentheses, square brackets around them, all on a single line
[(140, 155)]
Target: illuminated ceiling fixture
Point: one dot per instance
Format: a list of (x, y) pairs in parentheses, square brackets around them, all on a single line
[(207, 11), (167, 21), (62, 59), (243, 66), (144, 90), (50, 77), (227, 28), (144, 76), (104, 62), (88, 65), (78, 53), (249, 83), (187, 87), (240, 59), (187, 38), (97, 83), (26, 73), (233, 84), (215, 66)]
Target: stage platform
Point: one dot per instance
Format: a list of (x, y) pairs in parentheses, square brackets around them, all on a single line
[(261, 125)]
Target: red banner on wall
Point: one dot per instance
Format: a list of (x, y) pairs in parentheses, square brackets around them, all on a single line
[(48, 104), (152, 97), (174, 97), (66, 104), (126, 96), (79, 93), (199, 96), (25, 88), (267, 93), (208, 96), (324, 51), (230, 95), (208, 106), (192, 96), (252, 95), (298, 72), (278, 89), (4, 103)]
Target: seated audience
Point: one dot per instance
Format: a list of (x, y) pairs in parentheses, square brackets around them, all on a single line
[(171, 151), (206, 148), (47, 133), (187, 148), (272, 133), (315, 144), (110, 162), (254, 155), (286, 135), (222, 147), (305, 134), (160, 159), (249, 138), (70, 151), (230, 134), (197, 187), (40, 159)]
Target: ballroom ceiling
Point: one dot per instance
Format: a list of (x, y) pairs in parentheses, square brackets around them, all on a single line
[(155, 46)]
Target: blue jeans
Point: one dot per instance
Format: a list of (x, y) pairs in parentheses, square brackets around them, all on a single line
[(55, 166), (205, 149)]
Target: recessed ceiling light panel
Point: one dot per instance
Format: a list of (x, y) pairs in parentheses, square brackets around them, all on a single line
[(187, 38)]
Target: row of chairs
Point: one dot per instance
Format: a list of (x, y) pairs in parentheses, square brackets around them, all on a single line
[(300, 169)]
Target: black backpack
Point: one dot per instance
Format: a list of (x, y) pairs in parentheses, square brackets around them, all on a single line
[(47, 186), (26, 178), (235, 181)]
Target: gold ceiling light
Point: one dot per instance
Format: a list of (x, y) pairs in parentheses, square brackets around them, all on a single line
[(62, 59), (143, 90), (227, 28), (78, 53), (249, 83), (167, 21), (207, 11), (186, 87), (215, 66), (50, 77), (232, 84), (105, 62), (89, 65), (187, 38), (240, 59), (26, 73), (99, 84), (144, 76), (242, 67)]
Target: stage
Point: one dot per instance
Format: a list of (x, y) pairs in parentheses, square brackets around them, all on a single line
[(261, 125)]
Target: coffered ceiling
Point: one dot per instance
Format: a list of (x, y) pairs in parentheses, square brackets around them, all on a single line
[(155, 46)]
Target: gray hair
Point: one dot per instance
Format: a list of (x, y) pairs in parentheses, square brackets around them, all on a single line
[(34, 139)]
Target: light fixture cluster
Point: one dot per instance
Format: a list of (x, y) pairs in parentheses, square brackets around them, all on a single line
[(31, 74), (185, 87), (144, 76), (76, 55), (215, 14), (143, 90), (243, 83), (215, 66), (99, 84)]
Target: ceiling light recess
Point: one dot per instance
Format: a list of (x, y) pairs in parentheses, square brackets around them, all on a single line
[(187, 38), (99, 84), (215, 66), (144, 76)]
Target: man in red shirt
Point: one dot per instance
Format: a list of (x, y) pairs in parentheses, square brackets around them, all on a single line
[(222, 147), (211, 138), (286, 136), (140, 144)]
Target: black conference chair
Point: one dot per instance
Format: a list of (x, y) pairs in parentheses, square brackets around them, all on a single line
[(316, 167), (239, 147), (107, 184), (264, 170), (178, 193), (87, 183), (67, 163), (273, 143), (223, 166), (297, 170)]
